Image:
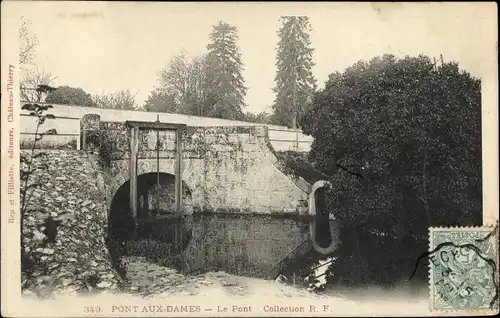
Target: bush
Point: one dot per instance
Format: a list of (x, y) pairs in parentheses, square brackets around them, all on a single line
[(104, 143), (401, 142)]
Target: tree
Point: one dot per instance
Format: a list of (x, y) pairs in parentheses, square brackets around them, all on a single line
[(65, 95), (28, 43), (225, 91), (184, 80), (31, 76), (401, 140), (31, 79), (295, 83), (122, 99), (159, 101), (260, 118)]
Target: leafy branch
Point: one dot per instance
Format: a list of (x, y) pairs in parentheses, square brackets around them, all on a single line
[(37, 110)]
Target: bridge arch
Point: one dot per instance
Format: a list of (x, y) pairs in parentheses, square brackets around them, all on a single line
[(156, 199), (119, 173)]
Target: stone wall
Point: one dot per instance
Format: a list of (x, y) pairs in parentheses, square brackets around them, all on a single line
[(65, 225)]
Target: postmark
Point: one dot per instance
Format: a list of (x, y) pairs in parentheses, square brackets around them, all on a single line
[(463, 268)]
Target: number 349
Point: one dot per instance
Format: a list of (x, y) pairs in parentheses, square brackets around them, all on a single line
[(92, 309)]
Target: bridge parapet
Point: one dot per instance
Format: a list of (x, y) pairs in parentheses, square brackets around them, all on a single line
[(196, 141)]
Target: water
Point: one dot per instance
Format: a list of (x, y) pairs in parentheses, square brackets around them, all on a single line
[(249, 245)]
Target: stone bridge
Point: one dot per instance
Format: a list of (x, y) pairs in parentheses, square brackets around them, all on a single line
[(230, 171), (226, 169)]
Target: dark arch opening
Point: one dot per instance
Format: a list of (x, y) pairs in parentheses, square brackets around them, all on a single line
[(156, 214), (323, 235)]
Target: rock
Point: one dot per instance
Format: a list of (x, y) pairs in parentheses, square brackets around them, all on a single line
[(37, 235), (59, 198), (104, 284), (205, 282), (86, 202), (72, 260), (93, 264), (61, 178), (224, 283), (134, 288), (44, 258), (53, 266), (108, 276), (48, 251)]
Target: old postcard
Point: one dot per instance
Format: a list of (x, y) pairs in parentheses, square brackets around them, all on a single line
[(249, 159)]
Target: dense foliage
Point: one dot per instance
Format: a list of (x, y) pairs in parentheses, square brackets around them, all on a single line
[(65, 95), (122, 99), (182, 87), (159, 101), (401, 140), (295, 82), (260, 118), (407, 140)]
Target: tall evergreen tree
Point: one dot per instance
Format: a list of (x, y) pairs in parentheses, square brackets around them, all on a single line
[(226, 87), (295, 82)]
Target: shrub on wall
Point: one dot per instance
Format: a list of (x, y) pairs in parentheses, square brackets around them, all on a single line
[(103, 143)]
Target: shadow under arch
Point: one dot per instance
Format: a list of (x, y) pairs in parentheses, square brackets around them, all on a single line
[(157, 218), (323, 230), (322, 224)]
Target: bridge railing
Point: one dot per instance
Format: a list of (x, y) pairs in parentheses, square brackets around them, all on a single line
[(67, 125), (284, 139), (67, 128)]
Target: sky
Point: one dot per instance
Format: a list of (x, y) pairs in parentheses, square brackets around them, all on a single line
[(106, 47)]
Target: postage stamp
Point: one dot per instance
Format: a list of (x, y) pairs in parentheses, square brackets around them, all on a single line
[(463, 266)]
